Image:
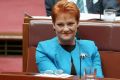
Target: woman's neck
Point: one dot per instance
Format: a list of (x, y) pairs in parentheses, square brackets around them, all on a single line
[(67, 42)]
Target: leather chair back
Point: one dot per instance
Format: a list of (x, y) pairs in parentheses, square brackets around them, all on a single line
[(105, 35)]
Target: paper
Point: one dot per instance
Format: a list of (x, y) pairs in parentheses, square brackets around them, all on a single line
[(87, 16), (117, 18), (53, 75)]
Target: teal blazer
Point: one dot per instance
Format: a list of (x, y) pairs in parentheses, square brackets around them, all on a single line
[(51, 56)]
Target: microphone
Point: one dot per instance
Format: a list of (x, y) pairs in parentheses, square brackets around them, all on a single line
[(80, 65), (82, 56)]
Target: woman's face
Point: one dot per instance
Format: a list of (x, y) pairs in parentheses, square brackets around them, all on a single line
[(65, 27)]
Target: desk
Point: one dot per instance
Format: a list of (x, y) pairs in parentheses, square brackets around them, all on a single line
[(30, 76)]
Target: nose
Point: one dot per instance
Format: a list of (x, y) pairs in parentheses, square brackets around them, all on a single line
[(66, 28)]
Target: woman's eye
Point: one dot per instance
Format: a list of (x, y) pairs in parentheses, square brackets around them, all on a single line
[(60, 25), (70, 24)]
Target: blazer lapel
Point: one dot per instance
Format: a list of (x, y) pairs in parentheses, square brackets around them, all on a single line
[(63, 59)]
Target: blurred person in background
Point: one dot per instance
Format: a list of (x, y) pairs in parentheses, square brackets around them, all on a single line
[(89, 6)]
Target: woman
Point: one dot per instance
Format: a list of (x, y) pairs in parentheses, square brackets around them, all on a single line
[(64, 51)]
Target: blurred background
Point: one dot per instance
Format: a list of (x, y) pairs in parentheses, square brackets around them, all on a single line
[(11, 20)]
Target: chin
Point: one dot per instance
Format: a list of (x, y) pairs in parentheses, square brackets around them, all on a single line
[(67, 39)]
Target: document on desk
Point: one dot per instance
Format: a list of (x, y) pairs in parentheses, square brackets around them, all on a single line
[(54, 75), (88, 16), (117, 18)]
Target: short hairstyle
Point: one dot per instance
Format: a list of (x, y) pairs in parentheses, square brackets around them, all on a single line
[(63, 6)]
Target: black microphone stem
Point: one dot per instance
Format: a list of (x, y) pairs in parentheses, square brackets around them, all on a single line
[(80, 59), (101, 9), (80, 66)]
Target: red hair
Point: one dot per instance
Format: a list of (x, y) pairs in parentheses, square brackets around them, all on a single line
[(64, 6)]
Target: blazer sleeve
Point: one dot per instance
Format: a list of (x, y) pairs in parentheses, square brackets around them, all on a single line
[(42, 60)]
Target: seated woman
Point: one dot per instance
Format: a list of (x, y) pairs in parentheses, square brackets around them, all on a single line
[(65, 52)]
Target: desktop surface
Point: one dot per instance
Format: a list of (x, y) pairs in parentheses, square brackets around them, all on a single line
[(31, 76)]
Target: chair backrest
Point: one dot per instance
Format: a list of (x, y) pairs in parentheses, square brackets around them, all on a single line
[(34, 30), (100, 34), (110, 64), (105, 35)]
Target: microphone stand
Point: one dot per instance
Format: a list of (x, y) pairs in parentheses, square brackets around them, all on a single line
[(80, 66), (80, 59), (101, 9)]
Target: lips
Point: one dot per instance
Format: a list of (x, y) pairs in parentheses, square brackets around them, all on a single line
[(66, 33)]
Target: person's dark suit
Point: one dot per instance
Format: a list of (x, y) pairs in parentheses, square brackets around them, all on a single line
[(92, 8), (96, 8), (112, 4), (101, 5), (49, 4)]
